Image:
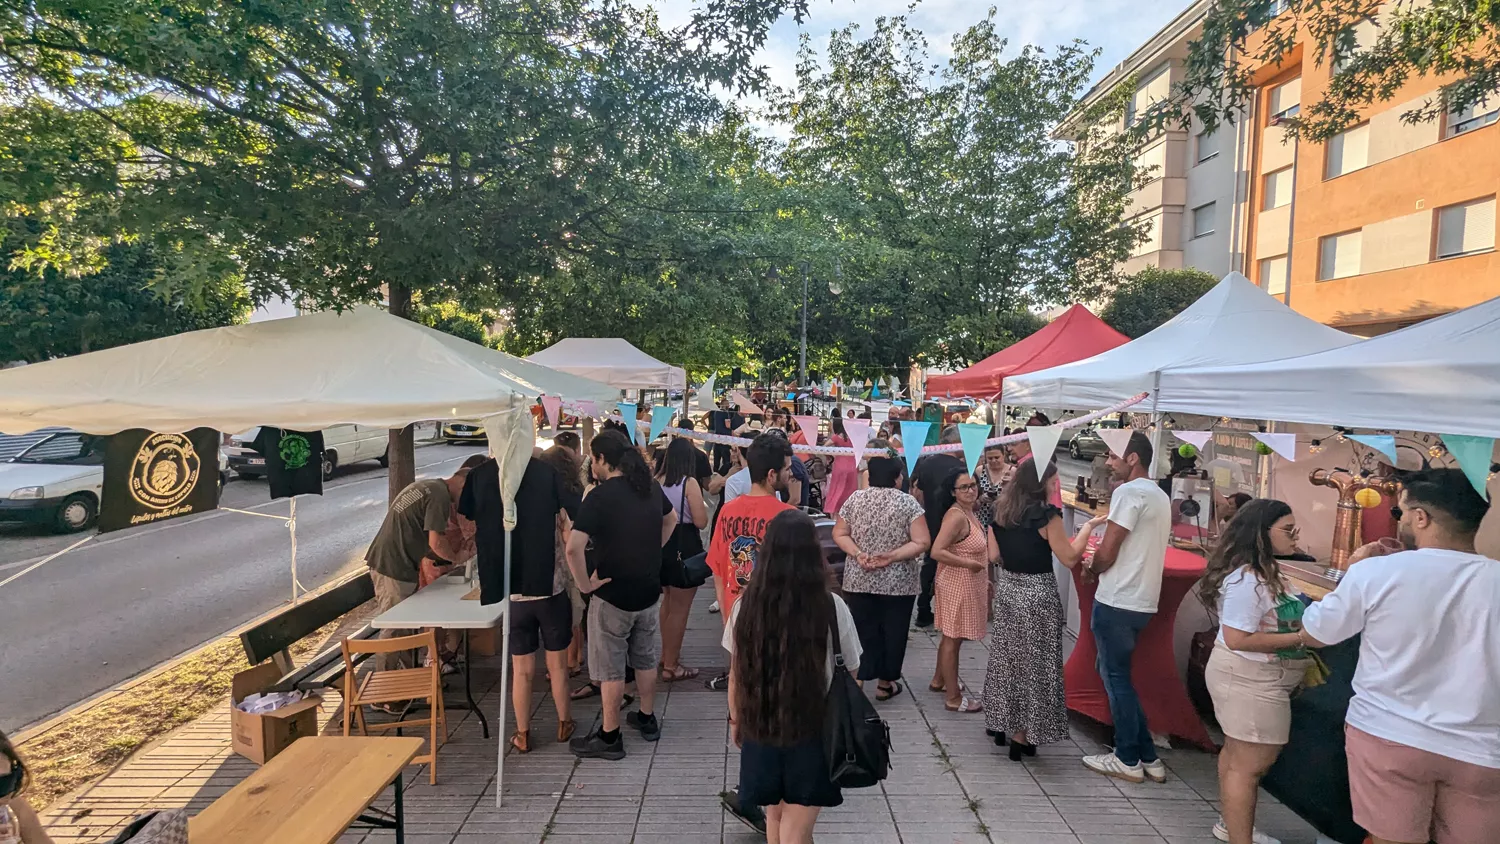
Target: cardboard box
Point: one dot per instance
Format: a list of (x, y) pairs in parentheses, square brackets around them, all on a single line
[(485, 641), (260, 737)]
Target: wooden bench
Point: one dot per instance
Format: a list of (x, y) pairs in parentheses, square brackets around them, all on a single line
[(273, 638), (311, 793)]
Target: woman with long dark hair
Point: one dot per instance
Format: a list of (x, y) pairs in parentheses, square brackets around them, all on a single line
[(963, 550), (782, 662), (843, 477), (678, 465), (570, 470), (882, 530), (1259, 657), (1023, 684), (18, 821)]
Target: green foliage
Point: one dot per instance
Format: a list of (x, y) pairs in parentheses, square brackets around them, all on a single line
[(51, 314), (451, 318), (1152, 296), (1439, 39)]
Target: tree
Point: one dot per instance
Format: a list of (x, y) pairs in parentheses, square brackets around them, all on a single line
[(451, 318), (1152, 296), (1440, 39), (49, 315), (347, 149)]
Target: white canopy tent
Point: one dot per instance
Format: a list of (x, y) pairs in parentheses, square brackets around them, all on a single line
[(308, 373), (1439, 376), (1234, 323), (612, 361)]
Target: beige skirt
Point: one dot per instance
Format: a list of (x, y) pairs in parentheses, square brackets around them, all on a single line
[(1252, 699)]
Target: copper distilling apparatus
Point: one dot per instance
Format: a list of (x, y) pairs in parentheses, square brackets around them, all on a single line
[(1346, 536)]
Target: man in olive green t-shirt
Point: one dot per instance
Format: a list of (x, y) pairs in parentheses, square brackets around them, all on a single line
[(414, 528)]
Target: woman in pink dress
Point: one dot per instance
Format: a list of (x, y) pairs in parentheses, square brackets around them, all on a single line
[(843, 478), (964, 550)]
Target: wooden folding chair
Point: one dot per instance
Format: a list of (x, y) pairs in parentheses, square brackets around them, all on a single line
[(397, 686)]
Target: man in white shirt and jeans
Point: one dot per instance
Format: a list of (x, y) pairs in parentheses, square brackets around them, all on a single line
[(1423, 729), (1129, 564)]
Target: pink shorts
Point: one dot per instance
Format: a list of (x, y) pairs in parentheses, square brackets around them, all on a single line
[(1401, 793)]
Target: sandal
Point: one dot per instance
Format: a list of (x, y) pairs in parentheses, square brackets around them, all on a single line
[(681, 672), (884, 693), (584, 692), (965, 704), (938, 689), (521, 741), (565, 730)]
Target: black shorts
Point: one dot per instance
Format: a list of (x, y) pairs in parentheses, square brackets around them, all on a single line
[(796, 775), (545, 623)]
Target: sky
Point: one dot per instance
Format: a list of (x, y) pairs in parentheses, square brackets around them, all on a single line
[(1118, 27)]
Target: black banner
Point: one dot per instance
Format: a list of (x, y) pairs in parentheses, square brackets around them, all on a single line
[(294, 461), (149, 477)]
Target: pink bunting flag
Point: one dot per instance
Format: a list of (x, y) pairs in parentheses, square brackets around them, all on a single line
[(1116, 438), (552, 405), (586, 407), (809, 426), (745, 405), (1283, 444), (859, 432)]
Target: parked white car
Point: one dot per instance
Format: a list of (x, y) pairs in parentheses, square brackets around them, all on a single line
[(55, 478), (342, 445)]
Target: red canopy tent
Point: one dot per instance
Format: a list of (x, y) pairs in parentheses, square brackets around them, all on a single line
[(1075, 335)]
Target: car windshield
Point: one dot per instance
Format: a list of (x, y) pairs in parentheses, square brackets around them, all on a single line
[(64, 449)]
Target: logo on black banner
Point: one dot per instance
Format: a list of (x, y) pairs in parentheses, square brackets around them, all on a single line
[(164, 471), (295, 451)]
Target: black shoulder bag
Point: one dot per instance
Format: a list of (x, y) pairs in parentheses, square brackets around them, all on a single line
[(688, 573), (856, 742)]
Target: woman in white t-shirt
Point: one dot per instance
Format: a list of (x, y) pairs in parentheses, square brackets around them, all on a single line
[(780, 643), (1259, 657)]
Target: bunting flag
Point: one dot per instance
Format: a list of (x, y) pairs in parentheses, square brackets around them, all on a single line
[(973, 437), (913, 435), (1043, 443), (587, 407), (1197, 438), (1283, 444), (1116, 438), (627, 415), (859, 432), (660, 416), (552, 406), (809, 426), (875, 394), (1383, 443), (706, 392), (1473, 455), (745, 405)]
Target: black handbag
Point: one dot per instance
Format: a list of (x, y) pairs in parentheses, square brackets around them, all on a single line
[(856, 741), (676, 570)]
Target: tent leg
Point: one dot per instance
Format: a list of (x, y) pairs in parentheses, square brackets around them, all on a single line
[(291, 526), (1158, 436), (1263, 469), (500, 734)]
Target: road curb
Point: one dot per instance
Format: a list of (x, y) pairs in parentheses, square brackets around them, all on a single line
[(53, 722)]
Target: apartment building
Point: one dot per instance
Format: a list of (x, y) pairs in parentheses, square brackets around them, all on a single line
[(1195, 203), (1388, 223)]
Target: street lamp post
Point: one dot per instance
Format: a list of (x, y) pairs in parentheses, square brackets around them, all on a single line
[(802, 358)]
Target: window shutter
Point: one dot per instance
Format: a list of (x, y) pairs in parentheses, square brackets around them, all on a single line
[(1340, 256), (1348, 151), (1203, 220), (1286, 95), (1273, 275), (1466, 228), (1208, 145), (1278, 189)]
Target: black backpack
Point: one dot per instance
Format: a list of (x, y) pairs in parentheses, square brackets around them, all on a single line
[(856, 741)]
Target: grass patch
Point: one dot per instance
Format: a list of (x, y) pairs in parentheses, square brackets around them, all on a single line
[(92, 741)]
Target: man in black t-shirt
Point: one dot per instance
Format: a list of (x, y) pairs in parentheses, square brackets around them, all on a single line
[(927, 479), (627, 519)]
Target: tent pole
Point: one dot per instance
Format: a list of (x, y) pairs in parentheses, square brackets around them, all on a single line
[(1157, 434), (1263, 466), (291, 526), (504, 681)]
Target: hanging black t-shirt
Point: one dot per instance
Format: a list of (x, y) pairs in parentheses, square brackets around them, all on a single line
[(534, 541), (294, 461), (625, 532)]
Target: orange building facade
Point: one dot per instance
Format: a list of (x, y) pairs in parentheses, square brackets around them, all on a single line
[(1385, 225)]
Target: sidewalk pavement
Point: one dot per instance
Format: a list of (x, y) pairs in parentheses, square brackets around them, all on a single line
[(949, 784)]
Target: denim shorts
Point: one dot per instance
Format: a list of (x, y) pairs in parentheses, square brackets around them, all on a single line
[(620, 638)]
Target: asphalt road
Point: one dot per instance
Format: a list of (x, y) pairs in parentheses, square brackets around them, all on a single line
[(120, 604)]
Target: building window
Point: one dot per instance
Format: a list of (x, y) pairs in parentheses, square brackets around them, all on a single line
[(1474, 116), (1153, 89), (1153, 162), (1273, 275), (1203, 220), (1208, 145), (1277, 7), (1150, 226), (1278, 190), (1338, 255), (1466, 229), (1362, 36), (1285, 100), (1348, 151)]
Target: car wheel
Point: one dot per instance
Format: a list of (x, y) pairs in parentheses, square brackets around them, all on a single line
[(330, 462), (385, 458), (1074, 450), (76, 513)]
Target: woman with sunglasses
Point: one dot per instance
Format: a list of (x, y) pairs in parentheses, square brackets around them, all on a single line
[(963, 550), (18, 821), (1259, 657)]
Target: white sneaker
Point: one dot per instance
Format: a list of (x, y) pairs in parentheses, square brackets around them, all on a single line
[(714, 607), (1222, 833), (1110, 765), (1156, 770)]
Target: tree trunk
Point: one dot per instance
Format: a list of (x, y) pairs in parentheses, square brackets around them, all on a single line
[(399, 447)]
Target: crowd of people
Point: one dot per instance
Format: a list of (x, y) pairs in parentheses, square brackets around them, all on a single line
[(971, 557)]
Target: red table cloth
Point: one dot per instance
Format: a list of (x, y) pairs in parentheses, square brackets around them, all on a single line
[(1154, 666)]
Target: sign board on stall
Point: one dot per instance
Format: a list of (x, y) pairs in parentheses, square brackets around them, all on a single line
[(149, 477)]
